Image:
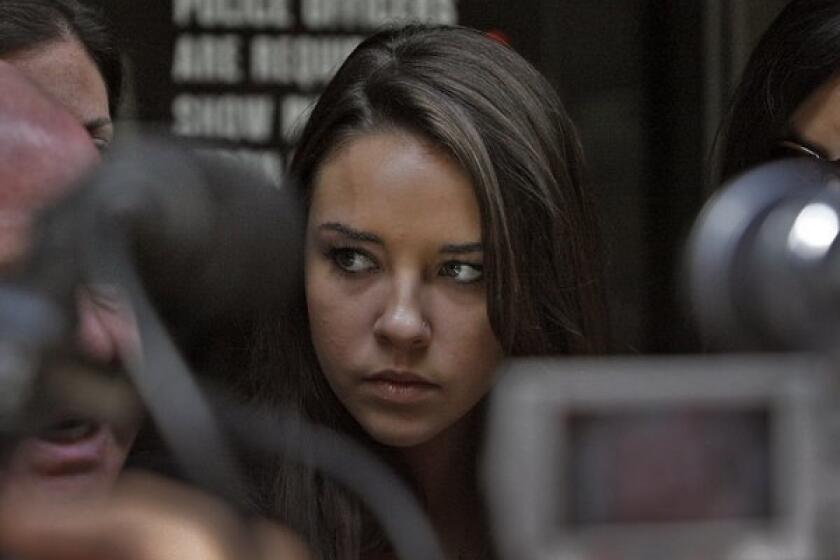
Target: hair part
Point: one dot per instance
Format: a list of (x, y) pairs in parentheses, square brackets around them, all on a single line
[(32, 24)]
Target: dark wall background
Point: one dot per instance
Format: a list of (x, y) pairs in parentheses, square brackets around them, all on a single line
[(645, 80)]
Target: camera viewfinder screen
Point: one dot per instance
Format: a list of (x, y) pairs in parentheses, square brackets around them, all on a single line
[(668, 466)]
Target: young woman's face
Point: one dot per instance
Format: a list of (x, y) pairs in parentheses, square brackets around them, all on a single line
[(394, 287)]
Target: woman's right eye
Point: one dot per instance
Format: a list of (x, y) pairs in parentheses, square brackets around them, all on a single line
[(352, 261)]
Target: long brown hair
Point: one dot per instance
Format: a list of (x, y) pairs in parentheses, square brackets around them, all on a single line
[(503, 124)]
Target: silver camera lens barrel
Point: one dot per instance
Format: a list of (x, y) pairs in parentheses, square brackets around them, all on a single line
[(761, 259)]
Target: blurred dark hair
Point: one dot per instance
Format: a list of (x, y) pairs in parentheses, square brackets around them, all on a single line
[(500, 120), (799, 52), (31, 24)]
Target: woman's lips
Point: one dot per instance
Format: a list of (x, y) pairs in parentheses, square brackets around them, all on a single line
[(400, 387), (69, 446)]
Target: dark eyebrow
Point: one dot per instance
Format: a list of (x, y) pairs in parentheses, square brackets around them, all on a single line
[(356, 235), (462, 248), (353, 234)]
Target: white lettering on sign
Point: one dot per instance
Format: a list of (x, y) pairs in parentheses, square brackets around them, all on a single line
[(303, 61), (230, 117), (207, 58), (258, 14), (294, 111), (370, 14)]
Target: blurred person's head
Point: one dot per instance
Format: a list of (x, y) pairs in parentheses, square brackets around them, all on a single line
[(67, 49), (788, 100), (43, 152)]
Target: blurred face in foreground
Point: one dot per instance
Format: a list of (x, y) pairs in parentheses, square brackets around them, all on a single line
[(43, 149), (395, 288)]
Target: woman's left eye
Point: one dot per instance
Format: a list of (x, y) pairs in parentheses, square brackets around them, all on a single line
[(351, 260), (464, 273)]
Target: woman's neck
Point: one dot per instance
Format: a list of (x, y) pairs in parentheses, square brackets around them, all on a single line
[(443, 472)]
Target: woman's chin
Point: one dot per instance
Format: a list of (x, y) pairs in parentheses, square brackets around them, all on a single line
[(403, 435)]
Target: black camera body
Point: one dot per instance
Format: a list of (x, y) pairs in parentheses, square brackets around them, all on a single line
[(727, 458)]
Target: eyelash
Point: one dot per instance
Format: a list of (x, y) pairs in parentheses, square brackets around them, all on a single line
[(477, 268), (335, 254)]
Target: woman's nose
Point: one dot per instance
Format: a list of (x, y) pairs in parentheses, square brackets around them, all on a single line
[(106, 333), (93, 335), (402, 322)]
